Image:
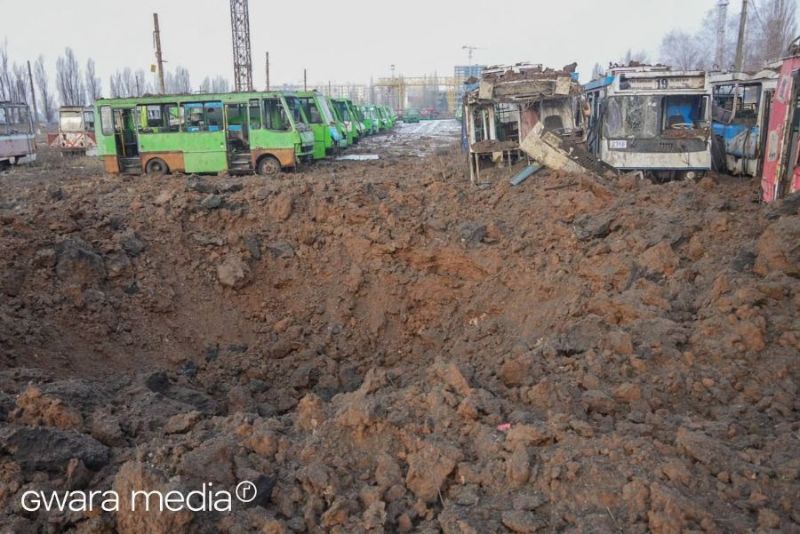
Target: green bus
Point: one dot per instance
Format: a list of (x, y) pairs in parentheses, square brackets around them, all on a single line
[(370, 120), (327, 137), (203, 133), (344, 108), (355, 110), (340, 126)]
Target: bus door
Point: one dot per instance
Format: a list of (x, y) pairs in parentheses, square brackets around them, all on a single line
[(763, 128), (126, 139), (204, 143), (237, 135)]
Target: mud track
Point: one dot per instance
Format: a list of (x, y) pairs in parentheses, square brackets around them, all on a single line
[(382, 347)]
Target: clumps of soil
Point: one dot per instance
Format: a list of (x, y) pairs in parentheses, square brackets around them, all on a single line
[(386, 348)]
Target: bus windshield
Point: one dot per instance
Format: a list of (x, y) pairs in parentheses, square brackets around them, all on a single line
[(341, 107), (70, 121), (651, 116), (296, 108), (311, 110), (327, 115)]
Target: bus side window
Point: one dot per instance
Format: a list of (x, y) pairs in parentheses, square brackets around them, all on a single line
[(173, 119), (193, 114), (255, 115), (106, 120), (25, 121), (3, 121), (150, 119), (312, 112), (11, 120), (214, 116)]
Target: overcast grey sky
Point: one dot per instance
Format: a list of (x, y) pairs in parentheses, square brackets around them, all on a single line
[(344, 40)]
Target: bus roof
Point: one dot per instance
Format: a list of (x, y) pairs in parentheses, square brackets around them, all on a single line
[(743, 77), (599, 83), (193, 97)]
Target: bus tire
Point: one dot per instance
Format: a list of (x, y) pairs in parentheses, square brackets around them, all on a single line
[(156, 167), (268, 166)]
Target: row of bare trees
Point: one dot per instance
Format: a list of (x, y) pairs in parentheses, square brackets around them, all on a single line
[(771, 25), (79, 87)]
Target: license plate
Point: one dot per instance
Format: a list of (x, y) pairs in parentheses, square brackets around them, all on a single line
[(618, 144)]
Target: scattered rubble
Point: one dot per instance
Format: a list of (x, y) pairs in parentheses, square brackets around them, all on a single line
[(402, 351)]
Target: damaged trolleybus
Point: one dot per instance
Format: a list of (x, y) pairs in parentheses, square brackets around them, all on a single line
[(204, 133), (75, 134), (17, 143), (740, 110), (652, 119)]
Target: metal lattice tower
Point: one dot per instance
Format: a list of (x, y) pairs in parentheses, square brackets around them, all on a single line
[(242, 59)]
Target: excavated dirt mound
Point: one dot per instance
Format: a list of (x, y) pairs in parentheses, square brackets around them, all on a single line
[(379, 346)]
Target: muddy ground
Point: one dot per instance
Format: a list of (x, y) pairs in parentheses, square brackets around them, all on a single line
[(381, 347)]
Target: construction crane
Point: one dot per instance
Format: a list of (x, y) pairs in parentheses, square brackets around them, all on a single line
[(470, 50), (242, 59)]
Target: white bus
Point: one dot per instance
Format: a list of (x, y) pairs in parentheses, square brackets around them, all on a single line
[(652, 119), (17, 143), (75, 134)]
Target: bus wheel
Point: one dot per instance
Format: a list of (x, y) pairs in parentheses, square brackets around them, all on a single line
[(269, 166), (156, 167)]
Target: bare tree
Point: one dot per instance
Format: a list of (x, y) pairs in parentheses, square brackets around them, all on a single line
[(679, 49), (19, 84), (205, 86), (141, 85), (122, 84), (220, 85), (68, 80), (93, 84), (633, 57), (127, 85), (47, 103), (216, 85), (183, 83), (113, 85), (771, 26), (5, 73), (774, 25)]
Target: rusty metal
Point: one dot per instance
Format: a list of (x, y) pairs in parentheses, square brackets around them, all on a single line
[(526, 110), (781, 174), (242, 58)]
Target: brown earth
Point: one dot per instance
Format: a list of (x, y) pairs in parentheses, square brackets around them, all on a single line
[(380, 346)]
